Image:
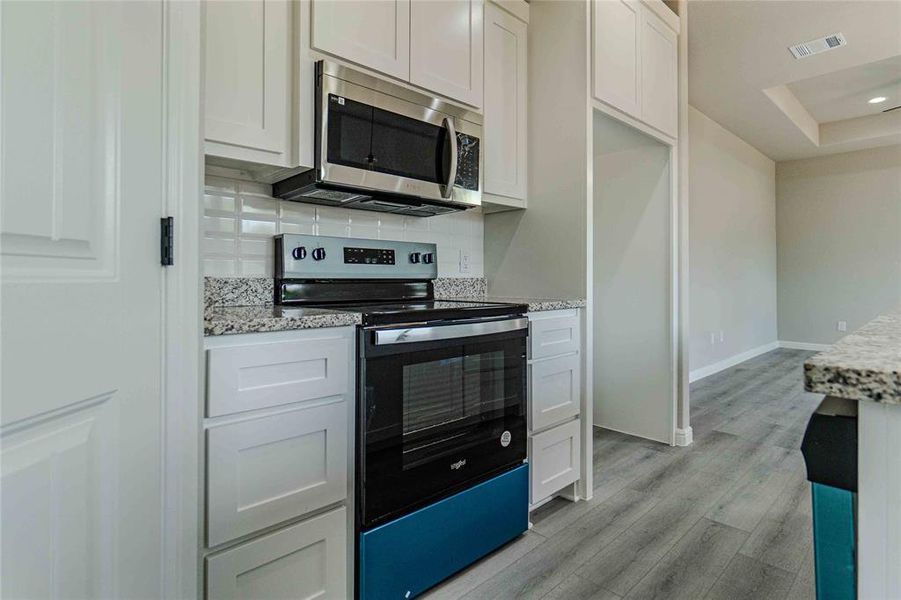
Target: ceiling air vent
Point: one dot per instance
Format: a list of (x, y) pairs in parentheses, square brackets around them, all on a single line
[(819, 45)]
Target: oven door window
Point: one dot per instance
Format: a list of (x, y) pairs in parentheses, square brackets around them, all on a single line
[(436, 418), (374, 139)]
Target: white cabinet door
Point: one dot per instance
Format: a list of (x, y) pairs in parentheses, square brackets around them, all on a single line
[(554, 457), (504, 130), (554, 390), (242, 378), (307, 560), (82, 182), (553, 333), (616, 32), (446, 48), (266, 470), (248, 80), (659, 75), (372, 33)]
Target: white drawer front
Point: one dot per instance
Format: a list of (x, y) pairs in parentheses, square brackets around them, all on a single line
[(554, 458), (554, 391), (244, 378), (553, 333), (263, 471), (307, 560)]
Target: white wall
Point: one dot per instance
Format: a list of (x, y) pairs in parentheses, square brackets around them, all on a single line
[(240, 218), (541, 251), (839, 242), (732, 233), (633, 369)]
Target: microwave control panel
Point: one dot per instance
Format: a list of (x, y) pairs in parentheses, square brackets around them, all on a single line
[(467, 162)]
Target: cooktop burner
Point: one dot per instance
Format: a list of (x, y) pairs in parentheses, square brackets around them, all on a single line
[(428, 310)]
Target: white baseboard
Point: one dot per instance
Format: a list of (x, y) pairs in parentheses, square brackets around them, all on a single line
[(804, 346), (683, 436), (731, 361)]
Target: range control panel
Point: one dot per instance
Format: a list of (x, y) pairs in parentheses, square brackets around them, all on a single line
[(368, 256), (321, 257)]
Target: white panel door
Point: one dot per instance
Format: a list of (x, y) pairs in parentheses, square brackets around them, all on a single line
[(372, 33), (504, 130), (266, 470), (659, 74), (82, 195), (248, 80), (446, 48), (304, 561), (615, 36), (554, 390)]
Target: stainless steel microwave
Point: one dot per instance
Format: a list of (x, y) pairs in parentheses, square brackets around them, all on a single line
[(382, 147)]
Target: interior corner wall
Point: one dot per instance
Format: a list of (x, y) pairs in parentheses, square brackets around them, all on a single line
[(732, 247), (541, 251), (839, 242)]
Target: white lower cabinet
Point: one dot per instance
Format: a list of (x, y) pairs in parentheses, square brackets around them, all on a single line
[(554, 395), (263, 471), (279, 464), (554, 460), (306, 560), (553, 333), (555, 401)]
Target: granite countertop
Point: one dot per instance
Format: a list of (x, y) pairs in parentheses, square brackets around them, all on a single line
[(865, 365), (227, 320), (244, 305), (534, 304)]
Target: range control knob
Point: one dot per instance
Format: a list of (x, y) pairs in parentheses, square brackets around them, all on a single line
[(318, 253), (299, 253), (428, 258), (414, 257)]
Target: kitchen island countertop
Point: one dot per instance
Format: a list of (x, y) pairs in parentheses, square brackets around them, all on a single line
[(865, 365)]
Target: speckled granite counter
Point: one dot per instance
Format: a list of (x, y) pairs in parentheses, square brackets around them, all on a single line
[(227, 320), (865, 365), (534, 304)]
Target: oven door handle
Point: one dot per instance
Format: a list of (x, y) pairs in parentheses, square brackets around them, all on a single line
[(411, 335), (452, 140)]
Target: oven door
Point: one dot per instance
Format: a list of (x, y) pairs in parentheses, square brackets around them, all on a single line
[(440, 408)]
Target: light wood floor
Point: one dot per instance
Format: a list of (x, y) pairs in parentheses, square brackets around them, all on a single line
[(727, 518)]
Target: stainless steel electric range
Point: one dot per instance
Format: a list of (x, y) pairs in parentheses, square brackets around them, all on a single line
[(441, 408)]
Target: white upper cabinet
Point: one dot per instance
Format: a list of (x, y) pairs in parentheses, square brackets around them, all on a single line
[(248, 80), (659, 75), (635, 63), (617, 28), (371, 33), (504, 130), (446, 48)]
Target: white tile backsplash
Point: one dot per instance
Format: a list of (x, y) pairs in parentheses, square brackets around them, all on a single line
[(240, 218)]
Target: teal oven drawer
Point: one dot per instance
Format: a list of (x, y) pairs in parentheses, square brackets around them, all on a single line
[(407, 556)]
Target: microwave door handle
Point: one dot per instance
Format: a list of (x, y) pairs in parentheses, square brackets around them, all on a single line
[(452, 174)]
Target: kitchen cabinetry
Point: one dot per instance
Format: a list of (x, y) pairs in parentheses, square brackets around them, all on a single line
[(372, 33), (279, 448), (306, 560), (659, 75), (436, 45), (446, 51), (248, 79), (555, 394), (506, 53), (635, 61)]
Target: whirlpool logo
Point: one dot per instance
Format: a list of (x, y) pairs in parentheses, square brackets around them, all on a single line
[(458, 465)]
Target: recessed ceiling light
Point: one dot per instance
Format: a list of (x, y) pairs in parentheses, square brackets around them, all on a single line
[(876, 100)]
